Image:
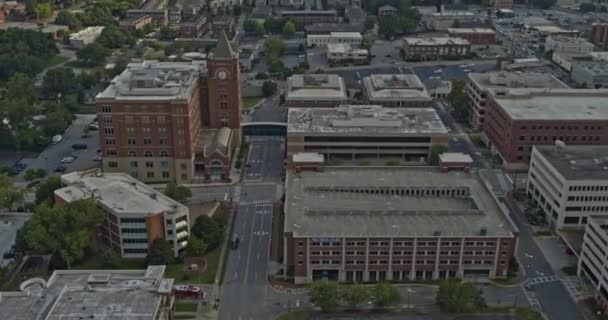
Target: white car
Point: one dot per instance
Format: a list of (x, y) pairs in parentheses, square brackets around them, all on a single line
[(69, 159)]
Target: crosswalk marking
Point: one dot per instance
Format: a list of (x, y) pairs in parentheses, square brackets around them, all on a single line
[(539, 280), (257, 183), (256, 202)]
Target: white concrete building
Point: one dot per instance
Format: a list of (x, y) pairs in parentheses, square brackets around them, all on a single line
[(593, 261), (565, 44), (85, 37), (344, 52), (135, 214), (569, 183), (322, 40)]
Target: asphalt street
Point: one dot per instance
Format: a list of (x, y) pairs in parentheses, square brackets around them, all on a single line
[(50, 158), (269, 111), (245, 287)]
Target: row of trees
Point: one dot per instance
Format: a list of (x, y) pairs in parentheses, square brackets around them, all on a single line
[(406, 20), (24, 51), (330, 295), (272, 25)]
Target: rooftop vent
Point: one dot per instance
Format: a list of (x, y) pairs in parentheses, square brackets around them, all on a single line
[(101, 278)]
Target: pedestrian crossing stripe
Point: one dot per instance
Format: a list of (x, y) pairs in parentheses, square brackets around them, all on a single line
[(258, 183), (539, 280), (257, 202)]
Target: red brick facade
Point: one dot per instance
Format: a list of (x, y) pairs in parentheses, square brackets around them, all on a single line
[(599, 35), (474, 37), (224, 93)]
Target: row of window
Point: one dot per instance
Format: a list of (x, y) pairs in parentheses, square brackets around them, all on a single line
[(588, 208), (588, 188), (566, 138), (400, 244), (400, 253), (590, 198), (561, 127), (385, 262)]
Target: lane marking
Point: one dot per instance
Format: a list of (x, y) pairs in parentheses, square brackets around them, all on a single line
[(249, 249)]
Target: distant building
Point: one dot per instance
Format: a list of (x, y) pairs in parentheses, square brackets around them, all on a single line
[(223, 6), (54, 30), (193, 26), (92, 294), (359, 132), (386, 10), (438, 88), (225, 23), (315, 90), (322, 40), (441, 21), (479, 84), (343, 52), (476, 36), (303, 18), (518, 119), (395, 90), (435, 48), (450, 161), (568, 183), (370, 224), (355, 15), (599, 35), (590, 74), (135, 214), (503, 4), (564, 44), (175, 14), (85, 37), (137, 23), (328, 28), (160, 17), (593, 257)]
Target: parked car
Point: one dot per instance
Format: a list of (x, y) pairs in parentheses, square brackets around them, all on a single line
[(69, 159), (94, 126), (56, 139), (98, 158), (79, 146)]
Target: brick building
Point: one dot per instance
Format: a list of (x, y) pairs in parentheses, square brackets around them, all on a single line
[(302, 18), (599, 35), (518, 119), (136, 23), (193, 26), (134, 214), (158, 120), (369, 224), (435, 48), (476, 36), (503, 4)]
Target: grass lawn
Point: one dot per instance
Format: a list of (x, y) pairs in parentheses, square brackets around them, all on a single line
[(95, 262), (527, 314), (294, 315), (57, 59), (87, 108), (176, 271), (249, 102), (185, 307)]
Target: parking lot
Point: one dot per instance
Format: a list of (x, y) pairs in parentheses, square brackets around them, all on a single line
[(452, 72), (9, 224), (50, 158)]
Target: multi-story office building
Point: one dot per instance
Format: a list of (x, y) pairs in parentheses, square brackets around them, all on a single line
[(315, 90), (302, 18), (435, 48), (369, 224), (92, 294), (357, 132), (322, 40), (478, 85), (569, 183), (566, 44), (590, 74), (599, 35), (593, 262), (518, 119), (395, 91), (441, 21), (476, 36), (344, 52), (135, 214), (158, 121)]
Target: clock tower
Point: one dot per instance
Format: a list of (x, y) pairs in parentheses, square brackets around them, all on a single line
[(223, 87)]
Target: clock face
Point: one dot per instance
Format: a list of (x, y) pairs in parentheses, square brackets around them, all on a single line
[(222, 75)]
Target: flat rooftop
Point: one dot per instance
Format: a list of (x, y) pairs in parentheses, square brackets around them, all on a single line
[(364, 120), (472, 30), (504, 79), (455, 157), (314, 87), (347, 202), (571, 40), (435, 41), (309, 12), (343, 48), (118, 192), (594, 67), (91, 294), (577, 162), (553, 104), (451, 14), (395, 87), (154, 80)]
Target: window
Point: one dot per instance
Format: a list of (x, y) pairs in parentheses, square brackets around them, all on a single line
[(163, 141), (132, 153), (149, 164), (148, 154), (160, 120), (111, 152), (130, 132), (145, 120), (150, 174), (180, 132), (106, 109), (113, 164), (110, 142), (164, 164), (147, 141), (165, 174), (107, 120), (164, 154), (109, 131), (131, 141), (133, 164), (129, 119), (162, 132)]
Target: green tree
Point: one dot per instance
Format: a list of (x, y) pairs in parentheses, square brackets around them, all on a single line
[(457, 100), (196, 247), (43, 10), (274, 47), (57, 119), (253, 26), (275, 66), (67, 18), (31, 174), (46, 190), (587, 7), (269, 88), (208, 230), (325, 295), (436, 150), (456, 296), (236, 10), (354, 295), (384, 294), (59, 81), (20, 86), (177, 192), (168, 33), (64, 231), (370, 22), (92, 54), (9, 194), (114, 37), (110, 260), (289, 28), (160, 252)]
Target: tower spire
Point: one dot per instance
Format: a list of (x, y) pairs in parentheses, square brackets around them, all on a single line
[(223, 48)]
